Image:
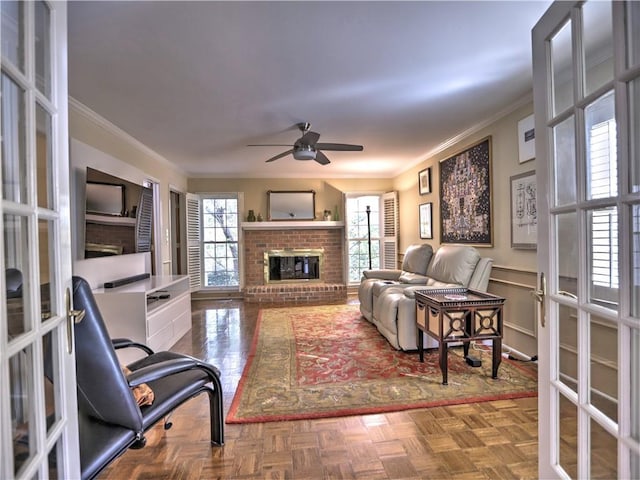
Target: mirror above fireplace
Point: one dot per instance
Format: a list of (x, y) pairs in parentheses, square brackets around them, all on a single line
[(291, 205)]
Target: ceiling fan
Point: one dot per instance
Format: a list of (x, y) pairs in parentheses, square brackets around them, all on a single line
[(308, 148)]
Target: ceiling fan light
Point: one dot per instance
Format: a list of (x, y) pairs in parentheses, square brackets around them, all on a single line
[(304, 154)]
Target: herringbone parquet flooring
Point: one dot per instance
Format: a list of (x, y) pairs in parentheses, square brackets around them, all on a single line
[(492, 440)]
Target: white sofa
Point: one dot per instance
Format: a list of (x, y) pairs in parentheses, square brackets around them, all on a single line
[(413, 272), (392, 302)]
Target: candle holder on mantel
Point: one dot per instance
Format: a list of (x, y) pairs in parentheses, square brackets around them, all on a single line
[(327, 215)]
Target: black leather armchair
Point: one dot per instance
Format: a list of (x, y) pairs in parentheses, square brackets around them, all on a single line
[(109, 418)]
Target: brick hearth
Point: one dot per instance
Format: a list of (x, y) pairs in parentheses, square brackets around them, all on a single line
[(259, 240)]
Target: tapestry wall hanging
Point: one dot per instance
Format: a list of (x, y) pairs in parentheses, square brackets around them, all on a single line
[(465, 196)]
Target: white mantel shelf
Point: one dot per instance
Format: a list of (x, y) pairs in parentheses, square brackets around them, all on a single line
[(290, 225)]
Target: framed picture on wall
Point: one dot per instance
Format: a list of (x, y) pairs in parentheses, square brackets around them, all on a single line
[(524, 214), (424, 215), (465, 196), (424, 181), (526, 140)]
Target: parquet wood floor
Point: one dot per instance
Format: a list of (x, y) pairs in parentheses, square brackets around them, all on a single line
[(492, 440)]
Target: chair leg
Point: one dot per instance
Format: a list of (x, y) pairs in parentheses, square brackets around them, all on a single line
[(139, 443), (216, 413)]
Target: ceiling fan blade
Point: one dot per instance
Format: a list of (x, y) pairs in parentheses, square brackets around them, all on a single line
[(270, 145), (321, 158), (283, 154), (345, 147), (309, 138)]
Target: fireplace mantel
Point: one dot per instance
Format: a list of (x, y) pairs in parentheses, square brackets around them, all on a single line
[(290, 225)]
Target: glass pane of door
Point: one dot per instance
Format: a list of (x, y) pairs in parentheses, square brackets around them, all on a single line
[(561, 58), (634, 283), (16, 261), (633, 34), (36, 363), (634, 128), (598, 44), (603, 366), (568, 344), (43, 48), (14, 160), (600, 131), (604, 453), (12, 29), (564, 141), (568, 437), (567, 247)]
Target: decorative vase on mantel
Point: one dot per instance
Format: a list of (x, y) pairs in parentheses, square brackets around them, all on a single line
[(251, 217), (260, 219)]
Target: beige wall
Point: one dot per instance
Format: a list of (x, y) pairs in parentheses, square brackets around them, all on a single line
[(328, 191), (513, 275), (134, 163), (504, 141)]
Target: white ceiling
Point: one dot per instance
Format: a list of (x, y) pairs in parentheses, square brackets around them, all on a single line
[(198, 81)]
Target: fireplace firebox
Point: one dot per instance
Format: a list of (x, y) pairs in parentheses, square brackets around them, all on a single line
[(293, 265)]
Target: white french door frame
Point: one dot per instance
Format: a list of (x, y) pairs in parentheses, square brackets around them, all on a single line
[(551, 386), (61, 437)]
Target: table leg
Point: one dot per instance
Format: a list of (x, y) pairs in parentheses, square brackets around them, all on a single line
[(497, 357), (420, 345), (442, 350), (465, 348)]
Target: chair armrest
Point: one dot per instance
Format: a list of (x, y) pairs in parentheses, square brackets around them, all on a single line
[(127, 343), (382, 274), (169, 367)]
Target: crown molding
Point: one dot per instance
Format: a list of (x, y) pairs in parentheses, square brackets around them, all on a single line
[(116, 131), (473, 129)]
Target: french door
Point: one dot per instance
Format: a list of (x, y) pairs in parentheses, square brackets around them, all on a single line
[(586, 67), (38, 413)]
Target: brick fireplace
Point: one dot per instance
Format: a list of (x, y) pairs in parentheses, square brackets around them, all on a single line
[(263, 237)]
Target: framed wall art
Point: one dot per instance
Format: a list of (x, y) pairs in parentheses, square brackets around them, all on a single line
[(524, 214), (526, 140), (465, 196), (424, 181), (424, 215)]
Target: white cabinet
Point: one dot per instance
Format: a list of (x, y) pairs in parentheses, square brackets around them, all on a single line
[(155, 311)]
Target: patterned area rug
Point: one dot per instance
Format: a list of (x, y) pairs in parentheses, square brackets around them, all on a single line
[(328, 361)]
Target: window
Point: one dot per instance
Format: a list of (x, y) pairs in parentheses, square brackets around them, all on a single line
[(360, 228), (220, 227)]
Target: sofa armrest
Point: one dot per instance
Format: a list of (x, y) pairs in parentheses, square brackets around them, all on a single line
[(413, 278), (382, 274), (481, 275)]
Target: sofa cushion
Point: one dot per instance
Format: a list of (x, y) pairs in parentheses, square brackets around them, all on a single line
[(413, 278), (416, 258), (453, 264)]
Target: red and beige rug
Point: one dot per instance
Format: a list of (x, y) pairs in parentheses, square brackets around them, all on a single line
[(328, 361)]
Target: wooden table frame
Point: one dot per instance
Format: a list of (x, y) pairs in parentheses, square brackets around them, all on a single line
[(459, 315)]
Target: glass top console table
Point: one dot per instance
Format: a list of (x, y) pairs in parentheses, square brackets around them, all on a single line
[(454, 315)]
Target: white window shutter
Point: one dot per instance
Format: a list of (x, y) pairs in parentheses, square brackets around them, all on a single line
[(390, 230), (194, 268), (144, 221)]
